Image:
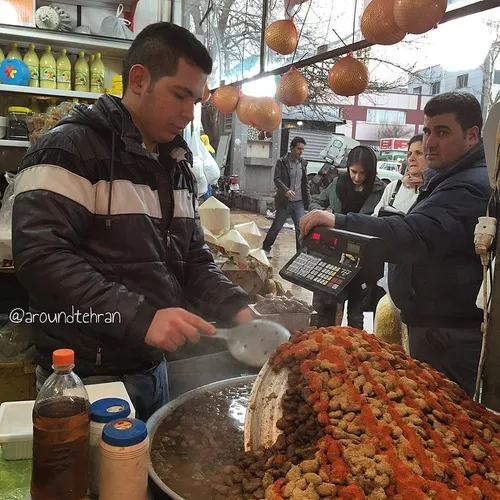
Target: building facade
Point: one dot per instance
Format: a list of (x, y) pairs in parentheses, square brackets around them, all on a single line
[(372, 117)]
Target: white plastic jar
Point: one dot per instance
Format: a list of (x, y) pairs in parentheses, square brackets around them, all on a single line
[(102, 411), (124, 460)]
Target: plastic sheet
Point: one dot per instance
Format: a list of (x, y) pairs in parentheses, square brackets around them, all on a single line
[(116, 27), (6, 219)]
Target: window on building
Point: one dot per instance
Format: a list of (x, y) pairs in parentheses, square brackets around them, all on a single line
[(496, 77), (462, 81), (435, 88), (417, 90), (389, 116)]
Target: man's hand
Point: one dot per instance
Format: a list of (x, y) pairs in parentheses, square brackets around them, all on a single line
[(290, 193), (244, 316), (171, 327), (316, 218)]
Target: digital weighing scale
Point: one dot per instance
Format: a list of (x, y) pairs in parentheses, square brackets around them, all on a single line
[(330, 259)]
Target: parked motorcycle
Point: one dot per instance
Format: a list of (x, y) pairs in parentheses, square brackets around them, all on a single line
[(226, 188)]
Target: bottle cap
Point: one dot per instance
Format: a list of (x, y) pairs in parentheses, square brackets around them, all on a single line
[(107, 409), (63, 357), (124, 432)]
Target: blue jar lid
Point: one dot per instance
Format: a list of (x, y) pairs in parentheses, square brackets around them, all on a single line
[(108, 409), (124, 432)]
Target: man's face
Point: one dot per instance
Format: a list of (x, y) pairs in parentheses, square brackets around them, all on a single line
[(445, 141), (416, 159), (298, 150), (166, 107)]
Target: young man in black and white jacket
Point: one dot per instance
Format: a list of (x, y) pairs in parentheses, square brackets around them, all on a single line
[(105, 221)]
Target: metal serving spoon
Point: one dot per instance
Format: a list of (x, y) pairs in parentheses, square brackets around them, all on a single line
[(252, 343)]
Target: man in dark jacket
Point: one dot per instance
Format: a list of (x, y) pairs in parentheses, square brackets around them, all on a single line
[(105, 222), (436, 274), (292, 192)]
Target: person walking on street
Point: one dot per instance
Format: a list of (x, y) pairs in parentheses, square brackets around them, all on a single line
[(435, 274), (357, 191), (105, 222), (292, 193)]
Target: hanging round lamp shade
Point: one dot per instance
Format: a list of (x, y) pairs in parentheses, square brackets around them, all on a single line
[(348, 77), (265, 114), (378, 25), (206, 94), (242, 110), (282, 37), (226, 98), (419, 16), (292, 89)]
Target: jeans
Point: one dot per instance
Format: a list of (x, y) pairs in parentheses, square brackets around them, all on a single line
[(325, 305), (452, 351), (147, 390), (294, 209)]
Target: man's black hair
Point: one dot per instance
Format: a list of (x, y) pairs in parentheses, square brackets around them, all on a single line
[(416, 138), (463, 105), (159, 47), (297, 140)]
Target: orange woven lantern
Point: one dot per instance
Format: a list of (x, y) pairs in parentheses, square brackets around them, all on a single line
[(378, 25), (282, 37), (265, 114), (242, 110), (348, 77), (292, 89), (206, 94), (419, 16), (226, 98)]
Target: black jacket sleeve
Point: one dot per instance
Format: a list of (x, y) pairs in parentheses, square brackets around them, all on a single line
[(208, 289), (436, 225), (278, 177), (47, 229)]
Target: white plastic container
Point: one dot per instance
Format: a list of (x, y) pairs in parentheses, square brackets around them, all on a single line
[(102, 411), (16, 430), (124, 460), (16, 424)]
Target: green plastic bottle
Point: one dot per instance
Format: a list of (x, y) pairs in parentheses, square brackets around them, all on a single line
[(33, 62), (48, 70), (82, 73), (14, 52), (63, 71), (97, 71)]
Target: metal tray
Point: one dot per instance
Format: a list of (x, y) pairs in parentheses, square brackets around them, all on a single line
[(264, 408), (157, 418)]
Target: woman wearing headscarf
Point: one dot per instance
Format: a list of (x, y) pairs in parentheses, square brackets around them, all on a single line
[(357, 191)]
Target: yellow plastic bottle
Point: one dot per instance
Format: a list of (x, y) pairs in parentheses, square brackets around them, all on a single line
[(48, 70), (91, 59), (82, 73), (2, 56), (63, 71), (97, 71), (33, 62), (14, 52)]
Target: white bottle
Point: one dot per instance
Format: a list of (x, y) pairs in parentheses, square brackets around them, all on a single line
[(102, 411)]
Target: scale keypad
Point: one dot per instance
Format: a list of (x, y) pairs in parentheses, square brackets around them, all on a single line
[(316, 270)]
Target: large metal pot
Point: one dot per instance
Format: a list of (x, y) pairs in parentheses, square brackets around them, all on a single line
[(157, 418)]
